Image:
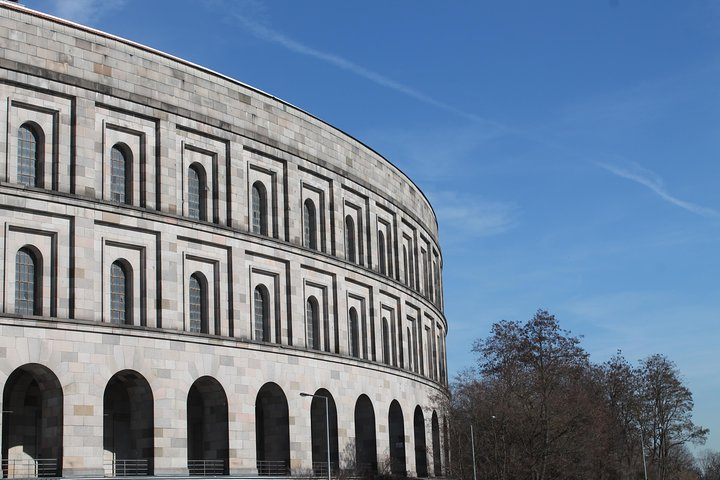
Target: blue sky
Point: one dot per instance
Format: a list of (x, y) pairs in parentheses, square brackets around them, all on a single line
[(571, 149)]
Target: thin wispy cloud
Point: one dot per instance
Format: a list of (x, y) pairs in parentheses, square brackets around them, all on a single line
[(654, 183), (434, 154), (264, 33), (472, 217), (83, 11)]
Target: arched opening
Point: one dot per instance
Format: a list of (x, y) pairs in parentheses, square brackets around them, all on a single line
[(121, 293), (397, 439), (197, 192), (198, 303), (437, 465), (259, 210), (121, 174), (28, 281), (207, 428), (353, 333), (312, 317), (350, 254), (261, 314), (365, 440), (29, 159), (272, 431), (309, 225), (446, 443), (128, 435), (319, 433), (32, 423), (420, 444)]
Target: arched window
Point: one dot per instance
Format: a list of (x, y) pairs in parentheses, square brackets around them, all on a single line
[(120, 174), (389, 253), (405, 266), (364, 337), (386, 341), (198, 303), (313, 323), (381, 250), (354, 339), (350, 239), (411, 264), (261, 313), (393, 342), (121, 293), (197, 192), (409, 351), (259, 215), (425, 272), (309, 225), (28, 282), (442, 360), (29, 164)]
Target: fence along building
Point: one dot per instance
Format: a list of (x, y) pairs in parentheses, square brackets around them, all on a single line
[(183, 255)]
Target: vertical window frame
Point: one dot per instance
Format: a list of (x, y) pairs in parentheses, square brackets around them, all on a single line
[(30, 154), (261, 314), (312, 317), (386, 341), (121, 174), (353, 333), (28, 281), (197, 192), (259, 209), (121, 294), (382, 260), (310, 230), (350, 240), (198, 311)]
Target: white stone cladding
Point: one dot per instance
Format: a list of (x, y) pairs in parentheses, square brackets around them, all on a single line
[(85, 93)]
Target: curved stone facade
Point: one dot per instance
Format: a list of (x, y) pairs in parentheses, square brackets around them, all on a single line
[(183, 255)]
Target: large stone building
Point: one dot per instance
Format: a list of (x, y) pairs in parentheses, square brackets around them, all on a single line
[(182, 255)]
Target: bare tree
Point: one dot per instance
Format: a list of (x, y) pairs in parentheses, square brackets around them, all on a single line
[(620, 383), (540, 410), (543, 398), (667, 413), (709, 464)]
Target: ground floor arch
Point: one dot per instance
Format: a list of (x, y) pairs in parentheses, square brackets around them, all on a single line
[(421, 467), (32, 423), (446, 442), (272, 431), (365, 438), (396, 429), (319, 433), (437, 465), (207, 428), (128, 432)]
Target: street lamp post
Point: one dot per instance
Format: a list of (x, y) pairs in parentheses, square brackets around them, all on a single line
[(472, 445), (327, 426), (642, 449)]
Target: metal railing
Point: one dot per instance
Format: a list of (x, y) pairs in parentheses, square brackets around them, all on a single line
[(207, 468), (30, 467), (127, 468), (364, 469), (320, 468), (274, 468)]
